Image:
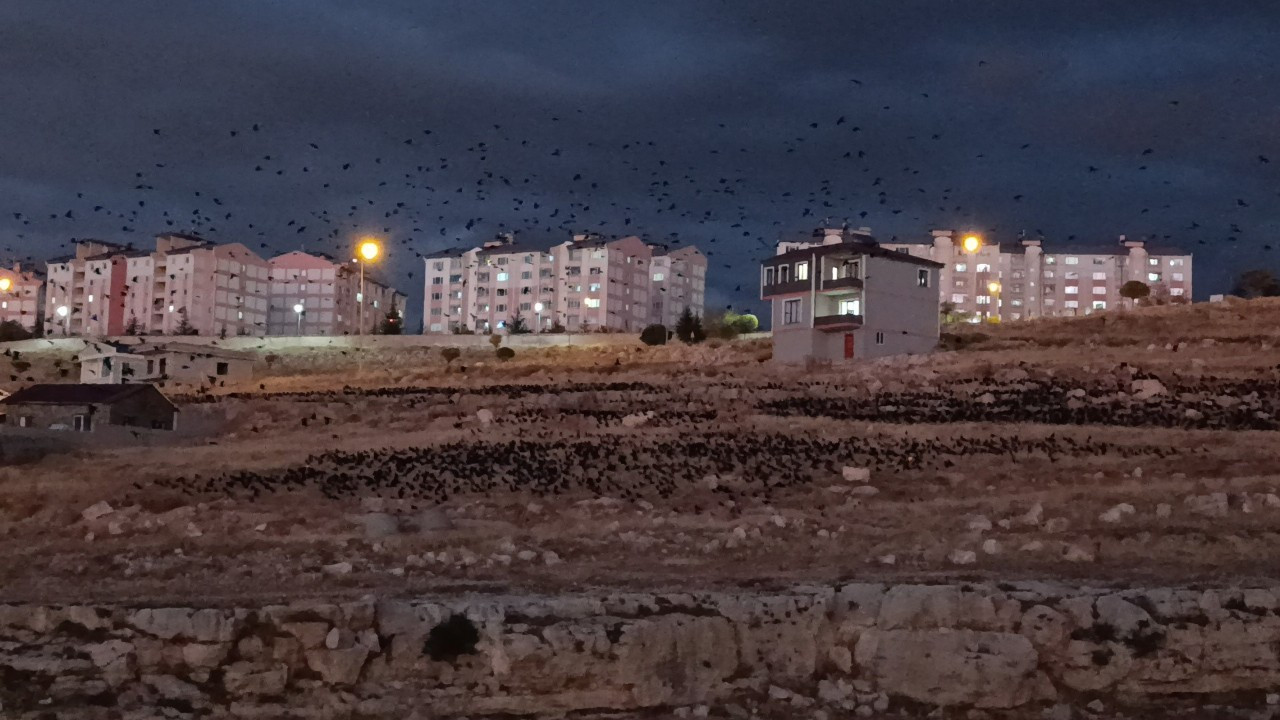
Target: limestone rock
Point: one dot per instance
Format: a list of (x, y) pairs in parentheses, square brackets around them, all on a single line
[(961, 667), (856, 474), (338, 667), (244, 678), (97, 510)]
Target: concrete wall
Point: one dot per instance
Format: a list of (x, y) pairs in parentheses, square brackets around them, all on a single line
[(854, 649), (897, 306)]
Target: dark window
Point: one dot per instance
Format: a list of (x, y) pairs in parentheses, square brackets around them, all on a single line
[(922, 278), (151, 367), (81, 423), (879, 338), (222, 368), (157, 424)]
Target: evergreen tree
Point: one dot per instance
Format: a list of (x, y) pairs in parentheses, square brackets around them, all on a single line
[(689, 327)]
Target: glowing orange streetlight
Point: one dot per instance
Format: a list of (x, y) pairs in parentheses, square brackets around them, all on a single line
[(5, 284), (368, 251), (971, 243)]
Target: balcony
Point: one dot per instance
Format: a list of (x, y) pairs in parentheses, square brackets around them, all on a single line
[(843, 283), (834, 323), (786, 288)]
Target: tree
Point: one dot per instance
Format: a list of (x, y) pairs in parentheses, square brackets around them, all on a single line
[(505, 353), (517, 325), (1135, 290), (654, 335), (495, 340), (391, 324), (689, 327), (729, 325), (450, 354), (12, 330), (1257, 283), (132, 328), (184, 325), (747, 323)]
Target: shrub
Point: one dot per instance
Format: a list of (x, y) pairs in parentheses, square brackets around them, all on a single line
[(450, 354), (495, 340), (689, 327), (654, 335), (11, 330), (451, 639), (505, 353)]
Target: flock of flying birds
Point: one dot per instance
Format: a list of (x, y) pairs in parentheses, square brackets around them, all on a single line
[(433, 191)]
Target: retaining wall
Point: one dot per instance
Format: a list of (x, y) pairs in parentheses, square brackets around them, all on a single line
[(1013, 649)]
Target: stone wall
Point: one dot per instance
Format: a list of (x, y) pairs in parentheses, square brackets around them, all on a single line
[(1015, 650)]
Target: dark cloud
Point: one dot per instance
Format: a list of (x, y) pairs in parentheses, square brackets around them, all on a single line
[(713, 121)]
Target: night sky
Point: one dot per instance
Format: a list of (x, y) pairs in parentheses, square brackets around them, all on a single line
[(307, 123)]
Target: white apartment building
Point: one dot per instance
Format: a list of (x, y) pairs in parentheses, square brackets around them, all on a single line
[(679, 281), (107, 289), (584, 284), (1030, 278), (314, 294), (20, 297)]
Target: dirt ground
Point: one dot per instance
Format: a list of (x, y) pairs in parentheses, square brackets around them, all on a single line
[(1124, 448)]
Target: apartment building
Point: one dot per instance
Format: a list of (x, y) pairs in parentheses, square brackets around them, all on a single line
[(21, 297), (1033, 278), (186, 283), (314, 294), (837, 294), (583, 284), (679, 282)]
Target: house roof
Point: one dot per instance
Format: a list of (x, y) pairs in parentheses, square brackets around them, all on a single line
[(870, 248), (67, 394)]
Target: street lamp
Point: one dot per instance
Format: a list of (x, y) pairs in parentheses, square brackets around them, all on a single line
[(971, 243), (537, 309), (993, 287), (368, 251), (64, 312), (299, 310), (5, 284)]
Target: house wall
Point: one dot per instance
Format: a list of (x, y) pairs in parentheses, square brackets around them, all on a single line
[(44, 416), (145, 409), (896, 305)]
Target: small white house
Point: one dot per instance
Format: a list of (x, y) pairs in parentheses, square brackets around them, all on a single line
[(118, 363)]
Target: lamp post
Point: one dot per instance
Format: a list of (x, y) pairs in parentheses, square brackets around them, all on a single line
[(537, 309), (993, 287), (368, 251), (298, 309), (64, 312), (5, 284)]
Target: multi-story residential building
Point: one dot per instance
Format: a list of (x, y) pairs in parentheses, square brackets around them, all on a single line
[(584, 284), (679, 282), (329, 295), (840, 295), (20, 297), (1029, 278), (187, 284)]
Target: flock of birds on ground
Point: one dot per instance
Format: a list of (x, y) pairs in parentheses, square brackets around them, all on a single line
[(754, 465)]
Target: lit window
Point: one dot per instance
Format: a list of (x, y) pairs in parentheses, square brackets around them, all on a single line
[(1153, 277), (1154, 262), (502, 277), (170, 308), (657, 277), (594, 287), (1099, 305), (1073, 290), (957, 298), (983, 267), (850, 307), (1099, 276), (1176, 291), (1175, 262), (983, 299), (1177, 276), (592, 302), (359, 297), (90, 298), (922, 278), (962, 267), (1071, 260), (791, 312), (802, 271), (1050, 260), (1016, 303), (1071, 304), (1099, 290)]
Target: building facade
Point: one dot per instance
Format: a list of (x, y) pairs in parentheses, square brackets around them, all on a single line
[(839, 295), (1031, 278), (584, 284), (21, 297), (679, 282), (160, 363), (187, 284), (83, 408), (329, 295)]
